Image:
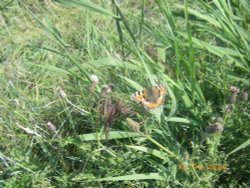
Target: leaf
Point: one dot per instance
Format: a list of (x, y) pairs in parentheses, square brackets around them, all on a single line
[(178, 120), (242, 146), (77, 140), (89, 5), (173, 101), (83, 176), (154, 152), (216, 50), (55, 69), (170, 80), (188, 103), (200, 15), (51, 29), (145, 176), (110, 61), (238, 79), (132, 83)]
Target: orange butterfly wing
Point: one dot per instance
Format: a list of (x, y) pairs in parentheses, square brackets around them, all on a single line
[(141, 96), (161, 91)]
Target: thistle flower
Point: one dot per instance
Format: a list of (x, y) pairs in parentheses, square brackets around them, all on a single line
[(217, 127), (94, 80), (61, 92), (234, 91)]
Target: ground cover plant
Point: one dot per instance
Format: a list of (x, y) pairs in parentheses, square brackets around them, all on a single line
[(68, 72)]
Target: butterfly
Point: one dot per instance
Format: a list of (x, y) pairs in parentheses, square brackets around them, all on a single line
[(150, 98)]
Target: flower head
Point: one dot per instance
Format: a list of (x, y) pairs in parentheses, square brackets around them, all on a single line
[(234, 89), (216, 127), (94, 78)]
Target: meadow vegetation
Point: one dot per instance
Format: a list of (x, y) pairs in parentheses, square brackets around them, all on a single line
[(68, 69)]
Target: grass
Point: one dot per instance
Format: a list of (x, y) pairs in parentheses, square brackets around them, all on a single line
[(61, 128)]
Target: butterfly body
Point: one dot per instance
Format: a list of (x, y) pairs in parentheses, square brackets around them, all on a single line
[(150, 98)]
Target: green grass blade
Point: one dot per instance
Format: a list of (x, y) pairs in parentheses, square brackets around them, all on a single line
[(199, 15), (159, 154), (145, 176), (179, 120), (97, 136), (242, 146), (89, 5)]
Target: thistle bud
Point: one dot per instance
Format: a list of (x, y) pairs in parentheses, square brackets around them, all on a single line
[(133, 125), (61, 92), (217, 127), (51, 127), (234, 91), (94, 80)]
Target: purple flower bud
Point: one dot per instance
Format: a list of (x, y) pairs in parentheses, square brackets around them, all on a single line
[(61, 92), (234, 89), (217, 127), (51, 126)]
